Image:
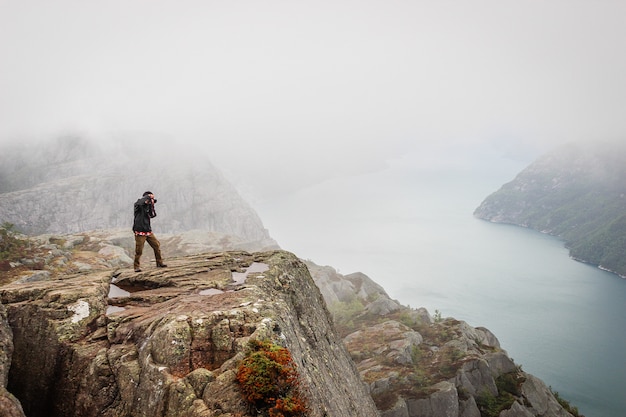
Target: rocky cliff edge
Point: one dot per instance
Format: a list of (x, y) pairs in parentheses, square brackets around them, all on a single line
[(81, 334), (167, 342)]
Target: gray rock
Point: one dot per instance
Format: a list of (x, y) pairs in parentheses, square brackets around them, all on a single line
[(540, 399), (72, 240), (383, 306), (34, 277), (487, 338), (516, 410), (475, 376), (82, 266), (336, 287), (380, 385), (115, 255), (500, 363), (390, 338), (399, 409), (468, 408), (443, 403)]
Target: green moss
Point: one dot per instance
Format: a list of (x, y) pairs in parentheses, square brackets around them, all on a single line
[(491, 405), (509, 387)]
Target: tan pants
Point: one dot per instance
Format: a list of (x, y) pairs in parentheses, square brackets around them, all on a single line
[(153, 242)]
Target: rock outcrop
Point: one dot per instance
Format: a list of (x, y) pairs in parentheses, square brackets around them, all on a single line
[(167, 342), (420, 366), (87, 329)]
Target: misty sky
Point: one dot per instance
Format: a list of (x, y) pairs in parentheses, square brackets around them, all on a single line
[(297, 91)]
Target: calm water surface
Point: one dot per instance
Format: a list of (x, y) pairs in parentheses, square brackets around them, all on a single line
[(414, 233)]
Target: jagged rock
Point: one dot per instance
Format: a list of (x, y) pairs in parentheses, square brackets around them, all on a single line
[(420, 315), (480, 358), (339, 288), (468, 408), (364, 287), (487, 338), (399, 409), (167, 349), (331, 284), (500, 363), (540, 399), (443, 403), (475, 376), (472, 336), (392, 339), (516, 410), (383, 306)]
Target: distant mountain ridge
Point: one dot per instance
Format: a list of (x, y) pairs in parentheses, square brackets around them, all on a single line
[(576, 192), (73, 184)]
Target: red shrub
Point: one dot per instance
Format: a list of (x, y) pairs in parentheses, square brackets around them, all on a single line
[(269, 380)]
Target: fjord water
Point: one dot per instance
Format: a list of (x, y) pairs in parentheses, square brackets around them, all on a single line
[(411, 230)]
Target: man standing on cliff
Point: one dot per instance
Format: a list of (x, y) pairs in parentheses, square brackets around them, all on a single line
[(144, 211)]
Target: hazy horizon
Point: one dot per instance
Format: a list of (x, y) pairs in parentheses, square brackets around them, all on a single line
[(286, 95)]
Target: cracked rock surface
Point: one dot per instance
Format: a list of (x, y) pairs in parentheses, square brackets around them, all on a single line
[(164, 345)]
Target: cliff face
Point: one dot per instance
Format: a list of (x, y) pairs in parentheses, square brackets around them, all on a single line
[(71, 185), (167, 342), (576, 192), (417, 365)]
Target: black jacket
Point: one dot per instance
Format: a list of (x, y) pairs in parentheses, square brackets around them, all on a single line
[(144, 211)]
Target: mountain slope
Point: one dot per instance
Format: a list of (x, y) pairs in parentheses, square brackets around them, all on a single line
[(72, 185), (576, 192)]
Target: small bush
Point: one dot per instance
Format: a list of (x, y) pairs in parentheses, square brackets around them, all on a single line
[(269, 380), (491, 406), (509, 386), (11, 247), (511, 382), (566, 404), (344, 314)]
